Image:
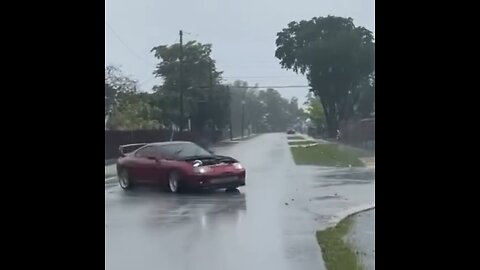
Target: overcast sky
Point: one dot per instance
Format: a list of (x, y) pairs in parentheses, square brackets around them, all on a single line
[(242, 34)]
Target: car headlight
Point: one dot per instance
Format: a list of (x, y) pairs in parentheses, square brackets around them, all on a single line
[(238, 166), (201, 169)]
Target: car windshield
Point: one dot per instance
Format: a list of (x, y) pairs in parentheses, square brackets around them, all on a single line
[(184, 150)]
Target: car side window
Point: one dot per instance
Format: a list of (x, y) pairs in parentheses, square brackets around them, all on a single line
[(148, 151), (167, 151)]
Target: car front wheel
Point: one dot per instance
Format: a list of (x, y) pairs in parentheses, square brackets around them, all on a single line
[(173, 182)]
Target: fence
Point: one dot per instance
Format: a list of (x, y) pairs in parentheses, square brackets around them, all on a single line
[(115, 138), (359, 133)]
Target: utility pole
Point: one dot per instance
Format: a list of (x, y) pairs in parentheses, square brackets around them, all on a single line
[(181, 81), (230, 113), (210, 74), (210, 93), (243, 112), (210, 100)]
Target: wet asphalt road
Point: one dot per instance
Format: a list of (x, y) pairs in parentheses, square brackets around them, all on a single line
[(269, 224)]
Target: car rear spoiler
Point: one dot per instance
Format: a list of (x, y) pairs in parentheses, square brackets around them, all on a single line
[(127, 148)]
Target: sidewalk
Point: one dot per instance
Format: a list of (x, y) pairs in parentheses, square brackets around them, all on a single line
[(307, 138), (310, 138), (110, 170), (238, 138), (362, 237), (369, 162), (234, 140)]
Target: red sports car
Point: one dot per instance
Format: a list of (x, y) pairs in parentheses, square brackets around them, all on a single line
[(176, 165)]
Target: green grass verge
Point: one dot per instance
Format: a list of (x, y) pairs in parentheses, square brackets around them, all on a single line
[(325, 155), (295, 137), (359, 152), (336, 252), (301, 142)]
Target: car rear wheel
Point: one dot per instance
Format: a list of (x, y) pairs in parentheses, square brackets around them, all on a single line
[(124, 180), (173, 182)]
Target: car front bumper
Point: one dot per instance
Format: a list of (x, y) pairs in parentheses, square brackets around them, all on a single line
[(215, 181)]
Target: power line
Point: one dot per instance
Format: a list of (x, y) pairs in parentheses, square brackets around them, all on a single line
[(267, 76), (251, 65), (277, 86), (126, 46), (149, 80)]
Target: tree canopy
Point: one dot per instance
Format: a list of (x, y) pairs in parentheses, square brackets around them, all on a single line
[(336, 57), (126, 107), (205, 101), (265, 110)]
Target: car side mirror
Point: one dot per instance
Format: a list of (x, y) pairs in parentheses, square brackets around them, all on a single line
[(211, 152)]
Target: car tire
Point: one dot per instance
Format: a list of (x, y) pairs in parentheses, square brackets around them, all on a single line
[(124, 180), (173, 182), (232, 190)]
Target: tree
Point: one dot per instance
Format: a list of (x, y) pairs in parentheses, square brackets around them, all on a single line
[(239, 92), (281, 113), (335, 55), (134, 112), (110, 93), (315, 113), (116, 85), (265, 110), (294, 113), (366, 97), (205, 100), (255, 111), (128, 109)]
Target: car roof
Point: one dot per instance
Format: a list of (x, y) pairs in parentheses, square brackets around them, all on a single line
[(161, 144), (170, 142)]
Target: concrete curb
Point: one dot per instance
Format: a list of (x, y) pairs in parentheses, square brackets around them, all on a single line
[(111, 179), (350, 212), (304, 145), (310, 138), (320, 141)]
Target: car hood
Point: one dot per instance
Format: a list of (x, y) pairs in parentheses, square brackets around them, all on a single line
[(210, 160)]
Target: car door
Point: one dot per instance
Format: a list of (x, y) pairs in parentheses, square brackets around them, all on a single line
[(165, 154), (144, 167)]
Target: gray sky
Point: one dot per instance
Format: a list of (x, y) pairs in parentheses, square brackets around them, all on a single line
[(242, 34)]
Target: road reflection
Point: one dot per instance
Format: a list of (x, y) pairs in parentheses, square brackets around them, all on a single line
[(205, 209)]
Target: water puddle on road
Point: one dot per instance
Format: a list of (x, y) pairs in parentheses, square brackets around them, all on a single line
[(342, 183), (369, 175), (327, 197), (342, 177), (197, 207)]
